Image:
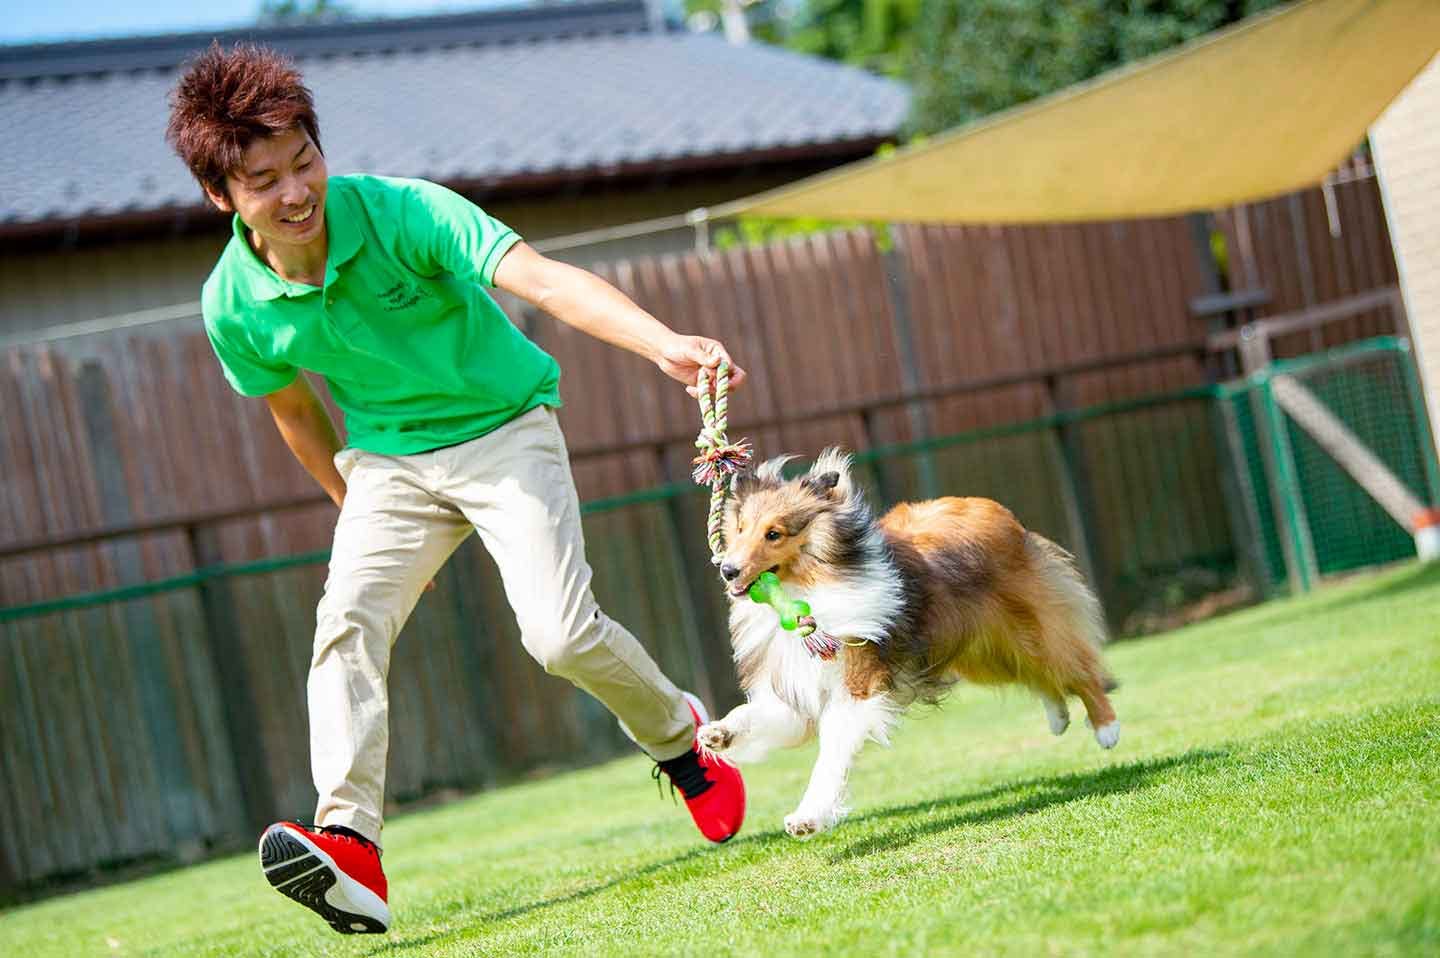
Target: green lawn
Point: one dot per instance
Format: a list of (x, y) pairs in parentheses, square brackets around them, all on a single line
[(1276, 791)]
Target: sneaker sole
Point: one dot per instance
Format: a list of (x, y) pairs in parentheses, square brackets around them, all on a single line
[(303, 873)]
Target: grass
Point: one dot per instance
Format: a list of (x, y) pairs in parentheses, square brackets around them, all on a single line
[(1276, 791)]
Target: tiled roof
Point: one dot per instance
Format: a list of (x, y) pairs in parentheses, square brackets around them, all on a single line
[(540, 94)]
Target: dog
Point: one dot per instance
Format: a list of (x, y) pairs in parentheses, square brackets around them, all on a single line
[(929, 594)]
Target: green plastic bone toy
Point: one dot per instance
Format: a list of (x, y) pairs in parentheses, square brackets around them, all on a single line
[(794, 614), (767, 591)]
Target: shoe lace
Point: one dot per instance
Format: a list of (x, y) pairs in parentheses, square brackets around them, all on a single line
[(349, 833), (685, 773)]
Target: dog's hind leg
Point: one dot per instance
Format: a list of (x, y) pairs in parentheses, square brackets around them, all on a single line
[(753, 730), (1071, 620), (1100, 712), (1057, 712), (843, 728)]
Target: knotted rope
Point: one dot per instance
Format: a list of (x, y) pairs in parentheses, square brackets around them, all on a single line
[(719, 462), (720, 459)]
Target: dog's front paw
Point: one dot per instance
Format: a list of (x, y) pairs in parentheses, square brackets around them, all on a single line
[(804, 824), (714, 737)]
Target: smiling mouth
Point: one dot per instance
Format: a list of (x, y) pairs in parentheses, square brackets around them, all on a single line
[(739, 591), (300, 219)]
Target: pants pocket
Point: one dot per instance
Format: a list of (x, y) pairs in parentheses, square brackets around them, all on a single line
[(346, 460)]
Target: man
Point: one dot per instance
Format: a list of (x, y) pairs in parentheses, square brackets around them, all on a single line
[(378, 285)]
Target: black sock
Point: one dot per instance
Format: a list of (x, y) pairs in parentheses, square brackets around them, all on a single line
[(686, 774)]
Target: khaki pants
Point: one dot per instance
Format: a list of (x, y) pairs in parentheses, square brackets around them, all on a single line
[(403, 517)]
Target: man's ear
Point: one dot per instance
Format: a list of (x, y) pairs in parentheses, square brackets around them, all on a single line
[(219, 200)]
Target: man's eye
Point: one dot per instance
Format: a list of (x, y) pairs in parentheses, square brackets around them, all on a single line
[(772, 536), (305, 165)]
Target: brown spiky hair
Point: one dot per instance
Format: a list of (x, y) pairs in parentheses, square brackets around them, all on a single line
[(226, 99)]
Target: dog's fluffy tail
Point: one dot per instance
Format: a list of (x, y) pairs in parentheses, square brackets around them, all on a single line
[(1079, 610)]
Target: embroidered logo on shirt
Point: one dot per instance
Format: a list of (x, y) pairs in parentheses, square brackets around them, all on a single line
[(402, 295)]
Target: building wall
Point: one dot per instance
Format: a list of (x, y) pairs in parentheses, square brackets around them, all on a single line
[(44, 288), (1406, 144)]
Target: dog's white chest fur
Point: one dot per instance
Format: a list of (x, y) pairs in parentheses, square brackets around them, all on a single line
[(859, 606)]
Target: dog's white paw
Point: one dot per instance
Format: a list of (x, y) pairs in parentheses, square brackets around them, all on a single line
[(803, 823), (1058, 715), (713, 737), (1108, 734), (803, 826)]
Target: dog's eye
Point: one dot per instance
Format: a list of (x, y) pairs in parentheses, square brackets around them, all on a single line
[(773, 535)]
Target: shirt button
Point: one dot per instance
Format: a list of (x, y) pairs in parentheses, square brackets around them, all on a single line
[(329, 300)]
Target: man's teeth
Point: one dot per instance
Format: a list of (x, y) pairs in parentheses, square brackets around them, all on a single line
[(299, 217)]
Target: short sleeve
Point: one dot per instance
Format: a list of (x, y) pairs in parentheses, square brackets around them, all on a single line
[(439, 230), (245, 370)]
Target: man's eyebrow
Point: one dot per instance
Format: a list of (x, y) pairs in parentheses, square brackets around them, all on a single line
[(256, 174)]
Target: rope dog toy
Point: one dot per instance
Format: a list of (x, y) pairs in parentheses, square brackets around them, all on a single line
[(717, 465)]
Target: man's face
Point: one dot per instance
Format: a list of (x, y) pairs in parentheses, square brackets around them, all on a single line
[(279, 190)]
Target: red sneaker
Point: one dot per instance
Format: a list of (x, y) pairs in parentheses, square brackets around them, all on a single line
[(334, 873), (713, 789)]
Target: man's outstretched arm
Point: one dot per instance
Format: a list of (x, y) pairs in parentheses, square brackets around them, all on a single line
[(585, 301), (305, 424)]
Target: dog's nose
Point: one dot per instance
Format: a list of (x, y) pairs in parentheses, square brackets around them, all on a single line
[(729, 571)]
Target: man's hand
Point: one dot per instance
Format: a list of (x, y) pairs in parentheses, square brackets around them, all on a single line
[(682, 357)]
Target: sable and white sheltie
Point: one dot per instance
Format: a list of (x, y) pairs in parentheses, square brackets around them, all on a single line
[(931, 593)]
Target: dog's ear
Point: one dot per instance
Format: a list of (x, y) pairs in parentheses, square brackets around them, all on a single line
[(830, 475), (822, 485)]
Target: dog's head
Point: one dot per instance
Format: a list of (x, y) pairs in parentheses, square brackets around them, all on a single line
[(796, 528)]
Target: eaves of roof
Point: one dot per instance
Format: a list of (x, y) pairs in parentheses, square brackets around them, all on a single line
[(184, 218)]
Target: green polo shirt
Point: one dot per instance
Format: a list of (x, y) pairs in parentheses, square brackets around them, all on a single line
[(416, 353)]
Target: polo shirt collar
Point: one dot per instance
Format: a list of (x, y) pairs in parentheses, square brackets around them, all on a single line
[(345, 235), (345, 240)]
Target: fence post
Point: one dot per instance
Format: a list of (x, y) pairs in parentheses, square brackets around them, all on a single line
[(899, 296), (1279, 460), (1422, 422), (237, 698), (1243, 507), (883, 486), (1300, 563), (1077, 494)]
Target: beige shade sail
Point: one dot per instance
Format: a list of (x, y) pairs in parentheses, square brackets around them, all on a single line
[(1265, 107)]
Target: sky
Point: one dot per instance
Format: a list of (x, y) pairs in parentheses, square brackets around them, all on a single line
[(41, 21)]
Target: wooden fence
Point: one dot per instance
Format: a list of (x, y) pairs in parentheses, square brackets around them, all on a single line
[(176, 720)]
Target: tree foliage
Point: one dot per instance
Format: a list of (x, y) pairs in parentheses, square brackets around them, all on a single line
[(286, 12), (878, 35), (973, 57)]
